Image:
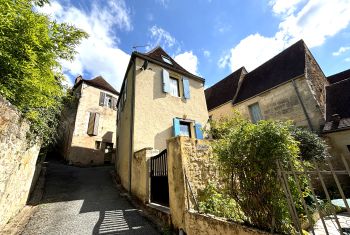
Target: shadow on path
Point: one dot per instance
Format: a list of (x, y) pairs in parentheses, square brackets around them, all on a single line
[(85, 201)]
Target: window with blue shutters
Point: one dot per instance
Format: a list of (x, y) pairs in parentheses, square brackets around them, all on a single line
[(166, 81), (255, 112), (186, 86)]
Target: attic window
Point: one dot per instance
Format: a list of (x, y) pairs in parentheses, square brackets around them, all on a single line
[(166, 60)]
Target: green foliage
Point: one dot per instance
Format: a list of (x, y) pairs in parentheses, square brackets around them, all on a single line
[(310, 145), (213, 202), (247, 154), (30, 76)]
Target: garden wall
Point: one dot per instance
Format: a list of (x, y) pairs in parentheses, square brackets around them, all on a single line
[(190, 169), (17, 161)]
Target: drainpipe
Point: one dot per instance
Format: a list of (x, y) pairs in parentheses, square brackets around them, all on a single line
[(302, 105), (131, 152)]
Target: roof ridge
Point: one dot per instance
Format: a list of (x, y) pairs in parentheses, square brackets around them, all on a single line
[(227, 77)]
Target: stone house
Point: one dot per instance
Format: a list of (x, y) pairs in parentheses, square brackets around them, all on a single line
[(337, 128), (89, 123), (158, 100), (290, 86)]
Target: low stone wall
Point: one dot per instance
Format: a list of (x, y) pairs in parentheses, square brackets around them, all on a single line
[(190, 170), (140, 173), (208, 225), (17, 161)]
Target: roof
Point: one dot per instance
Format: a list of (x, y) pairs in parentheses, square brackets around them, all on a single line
[(339, 76), (156, 55), (98, 82), (338, 102), (285, 66), (224, 90)]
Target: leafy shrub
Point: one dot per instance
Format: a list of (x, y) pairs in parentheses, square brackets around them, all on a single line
[(219, 204), (247, 154)]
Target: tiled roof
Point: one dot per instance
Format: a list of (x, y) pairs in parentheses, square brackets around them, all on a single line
[(157, 55), (99, 82), (339, 76), (224, 90), (288, 64), (338, 102)]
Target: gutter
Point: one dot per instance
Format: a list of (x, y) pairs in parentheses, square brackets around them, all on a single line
[(302, 105), (131, 150)]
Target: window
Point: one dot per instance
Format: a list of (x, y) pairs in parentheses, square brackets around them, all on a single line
[(166, 60), (185, 128), (109, 147), (108, 101), (93, 124), (174, 87), (97, 144), (255, 112)]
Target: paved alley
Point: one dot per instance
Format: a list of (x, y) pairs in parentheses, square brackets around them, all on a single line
[(85, 201)]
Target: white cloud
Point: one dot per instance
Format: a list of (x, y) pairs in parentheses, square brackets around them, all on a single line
[(188, 60), (161, 37), (164, 3), (283, 6), (206, 53), (347, 59), (341, 51), (99, 54), (311, 20)]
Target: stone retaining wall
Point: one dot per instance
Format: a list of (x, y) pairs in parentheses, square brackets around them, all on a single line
[(17, 161)]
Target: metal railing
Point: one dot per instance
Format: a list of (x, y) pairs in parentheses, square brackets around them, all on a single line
[(315, 176)]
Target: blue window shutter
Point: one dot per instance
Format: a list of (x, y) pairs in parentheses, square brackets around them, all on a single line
[(166, 81), (186, 85), (198, 129), (176, 127)]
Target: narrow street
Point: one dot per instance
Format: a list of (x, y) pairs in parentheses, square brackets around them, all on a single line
[(85, 201)]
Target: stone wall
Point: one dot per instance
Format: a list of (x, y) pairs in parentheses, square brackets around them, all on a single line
[(190, 165), (140, 173), (280, 103), (208, 225), (17, 161)]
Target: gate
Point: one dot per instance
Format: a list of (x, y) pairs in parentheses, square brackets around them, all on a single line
[(159, 179), (334, 220)]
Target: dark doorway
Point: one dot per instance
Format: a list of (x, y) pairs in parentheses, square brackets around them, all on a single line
[(159, 179)]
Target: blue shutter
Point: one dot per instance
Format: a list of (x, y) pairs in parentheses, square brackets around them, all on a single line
[(186, 85), (166, 81), (198, 129), (176, 126)]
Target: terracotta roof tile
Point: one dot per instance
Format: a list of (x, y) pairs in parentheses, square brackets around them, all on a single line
[(98, 82)]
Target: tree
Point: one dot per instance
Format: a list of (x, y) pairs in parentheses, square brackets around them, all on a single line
[(30, 75)]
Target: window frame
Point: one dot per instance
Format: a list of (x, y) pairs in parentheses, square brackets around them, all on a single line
[(250, 108), (171, 86), (187, 123)]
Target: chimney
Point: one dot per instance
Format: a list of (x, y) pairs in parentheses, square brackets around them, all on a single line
[(78, 79), (335, 120)]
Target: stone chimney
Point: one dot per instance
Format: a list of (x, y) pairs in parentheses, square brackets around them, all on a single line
[(335, 120), (78, 79)]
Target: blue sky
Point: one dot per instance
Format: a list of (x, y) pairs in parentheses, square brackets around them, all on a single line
[(210, 38)]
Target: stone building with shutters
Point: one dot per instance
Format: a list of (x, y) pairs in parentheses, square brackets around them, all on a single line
[(89, 123), (158, 100)]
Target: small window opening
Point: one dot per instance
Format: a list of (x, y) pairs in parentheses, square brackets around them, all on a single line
[(166, 60)]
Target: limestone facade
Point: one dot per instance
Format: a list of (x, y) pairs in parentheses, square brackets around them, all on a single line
[(146, 113), (79, 146), (18, 158)]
